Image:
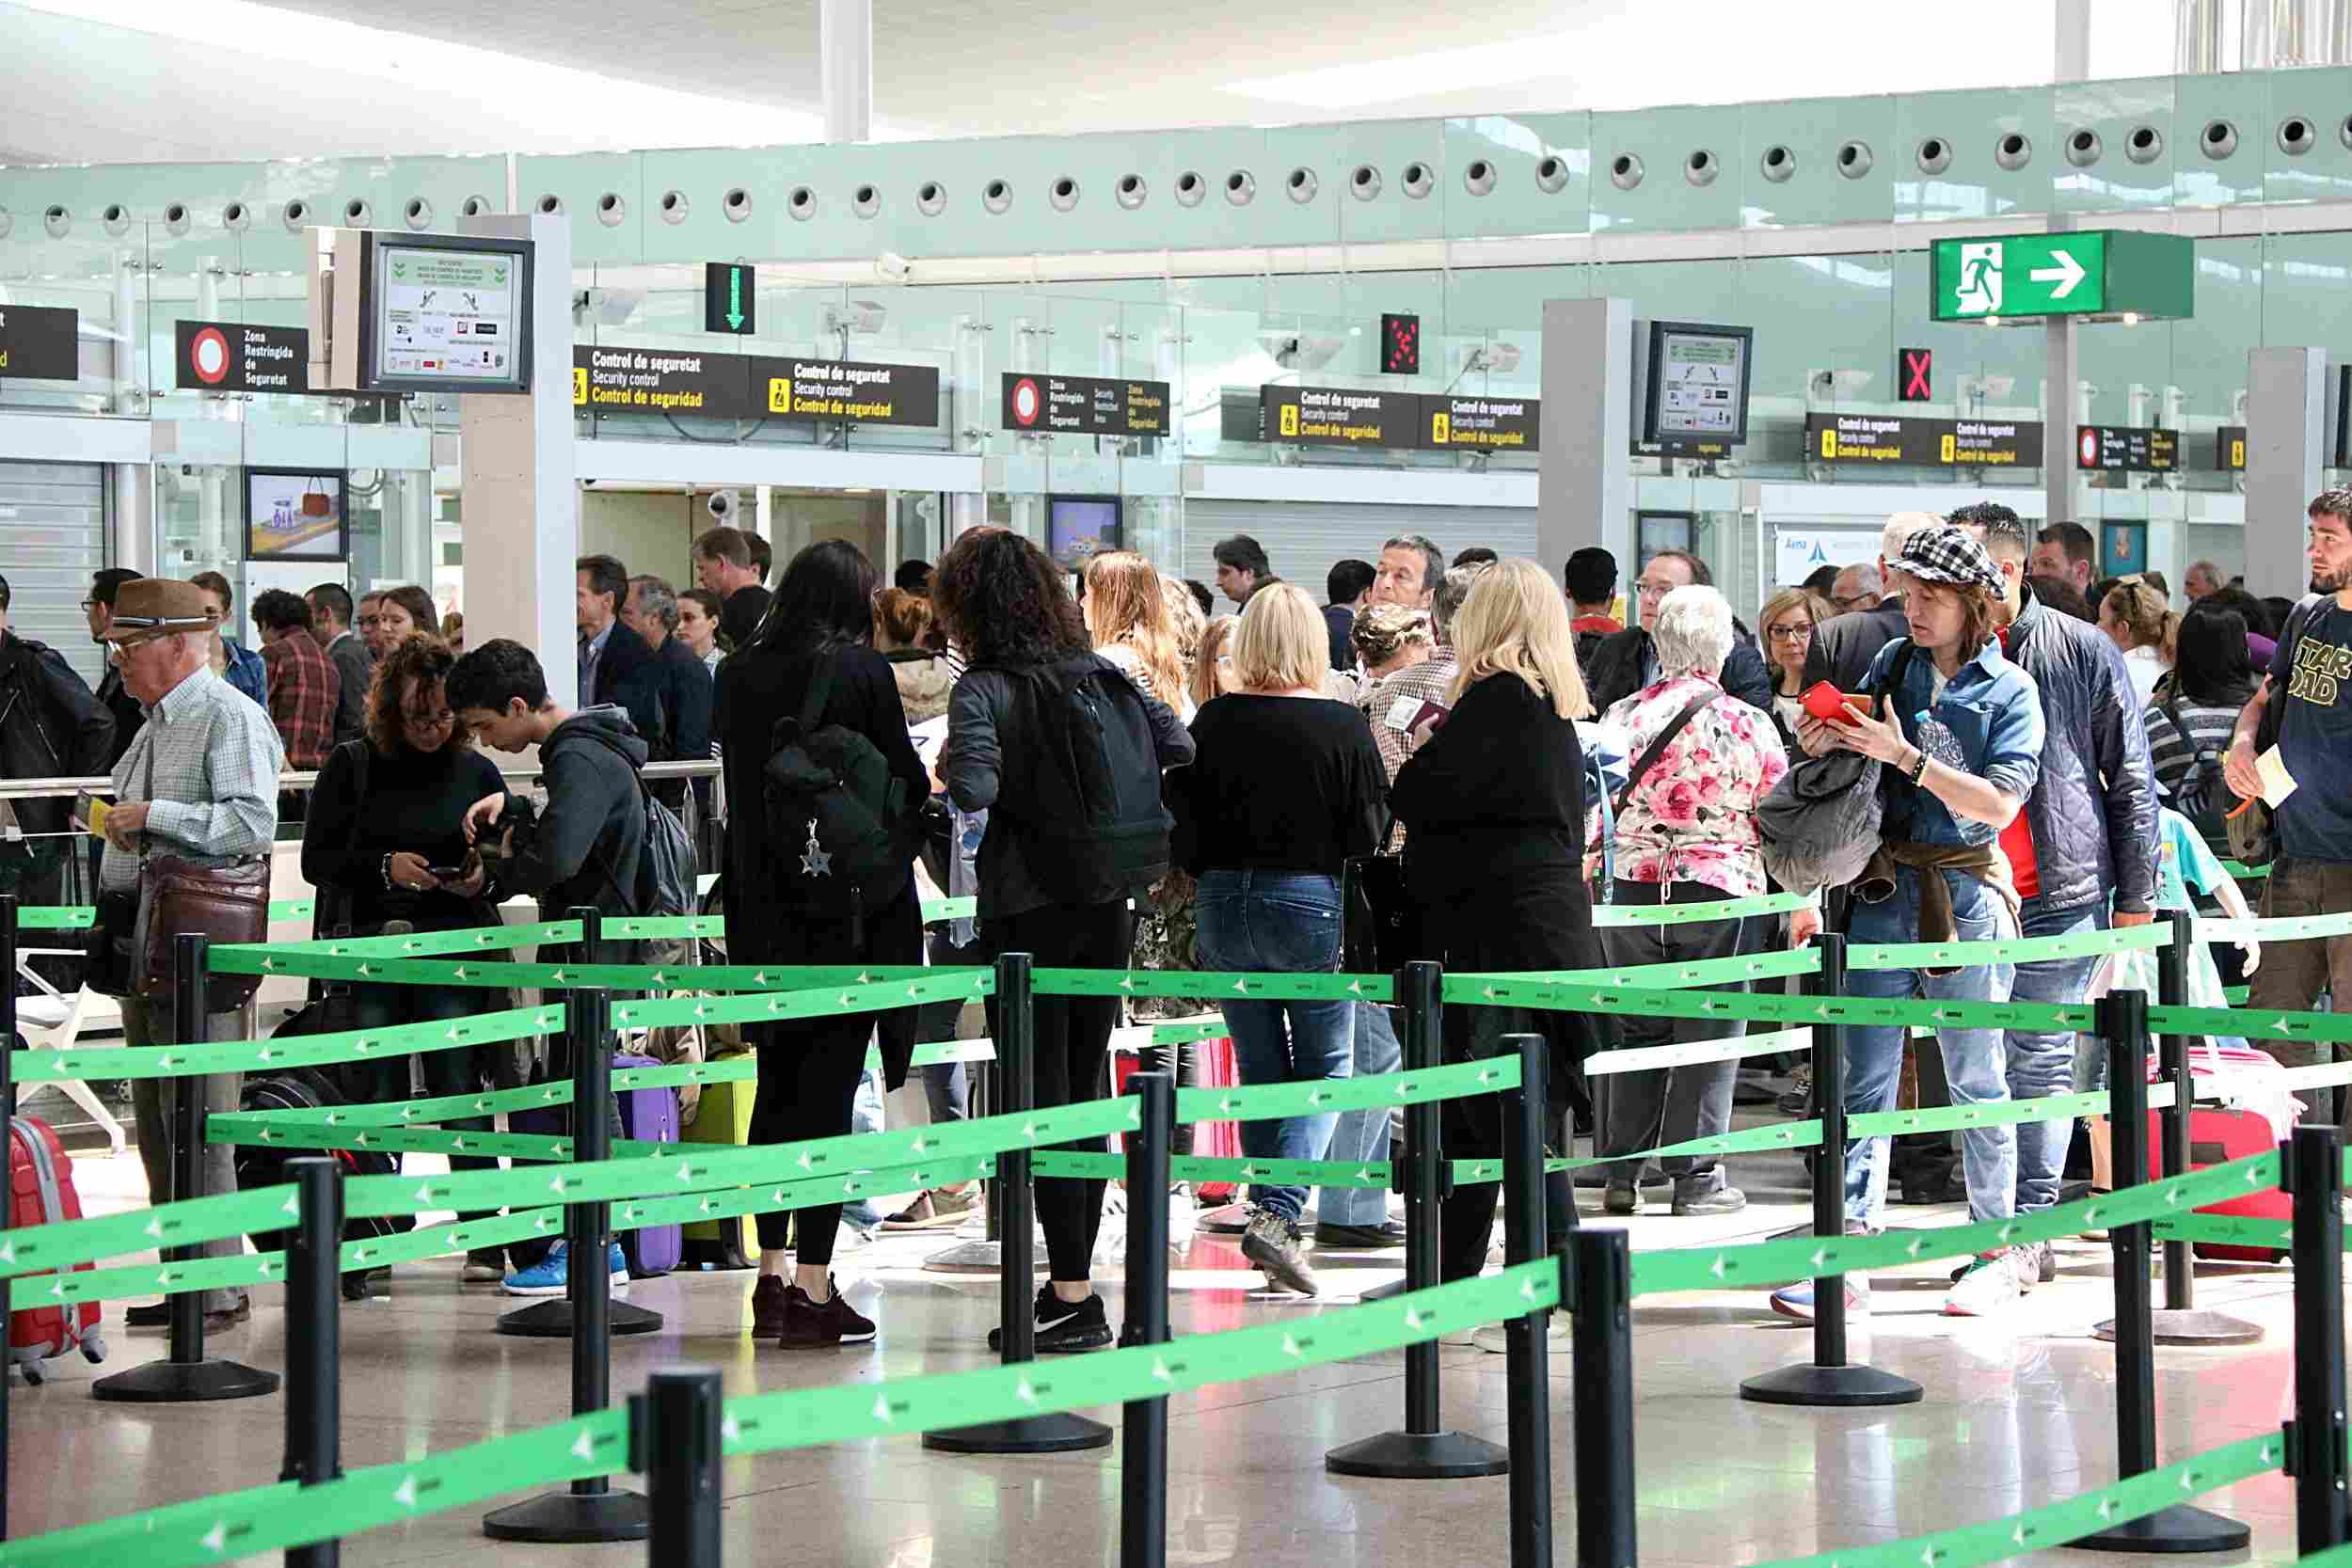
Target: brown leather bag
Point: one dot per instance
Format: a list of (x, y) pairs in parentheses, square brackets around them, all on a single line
[(229, 904)]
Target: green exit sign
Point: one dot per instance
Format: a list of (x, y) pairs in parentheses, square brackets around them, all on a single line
[(2104, 275)]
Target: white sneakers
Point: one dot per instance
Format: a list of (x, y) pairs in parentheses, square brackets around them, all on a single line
[(1990, 1284)]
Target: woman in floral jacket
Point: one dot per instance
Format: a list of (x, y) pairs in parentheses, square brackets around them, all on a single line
[(1686, 835)]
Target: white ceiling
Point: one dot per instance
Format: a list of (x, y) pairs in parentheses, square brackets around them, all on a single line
[(166, 80)]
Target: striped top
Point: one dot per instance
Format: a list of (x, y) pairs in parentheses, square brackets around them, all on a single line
[(2175, 754)]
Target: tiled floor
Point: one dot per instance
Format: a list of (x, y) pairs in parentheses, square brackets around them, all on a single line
[(2019, 1412)]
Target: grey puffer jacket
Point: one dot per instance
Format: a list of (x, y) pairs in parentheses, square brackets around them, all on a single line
[(2093, 813)]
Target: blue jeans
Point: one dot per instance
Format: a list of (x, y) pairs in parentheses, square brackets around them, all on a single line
[(865, 1115), (1972, 1057), (2043, 1065), (1281, 923), (1363, 1134)]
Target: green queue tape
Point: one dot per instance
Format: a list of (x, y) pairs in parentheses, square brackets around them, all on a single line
[(322, 965), (2244, 872), (1189, 1167), (1185, 982), (1706, 971), (1948, 955), (2238, 996), (445, 1107), (2007, 1112), (939, 1054), (293, 909), (1851, 1011), (355, 1045), (910, 987), (1186, 1030), (2229, 1230), (1753, 1140), (2334, 1557), (64, 1243), (1320, 1096), (1679, 914), (227, 958), (2291, 928), (2261, 1025), (231, 1127), (2042, 1529), (802, 1194), (647, 928), (1813, 1257), (950, 909), (56, 917)]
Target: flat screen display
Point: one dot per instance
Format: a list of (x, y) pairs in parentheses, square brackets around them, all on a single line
[(1079, 528), (1697, 382), (292, 515), (447, 313)]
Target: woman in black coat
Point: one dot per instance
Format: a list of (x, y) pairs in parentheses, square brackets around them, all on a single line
[(785, 905), (1493, 807)]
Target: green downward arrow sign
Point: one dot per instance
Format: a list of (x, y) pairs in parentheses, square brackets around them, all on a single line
[(735, 299)]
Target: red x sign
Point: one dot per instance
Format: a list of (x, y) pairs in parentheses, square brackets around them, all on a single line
[(1915, 372)]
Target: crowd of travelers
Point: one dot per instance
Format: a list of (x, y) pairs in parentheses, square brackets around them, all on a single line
[(1122, 770)]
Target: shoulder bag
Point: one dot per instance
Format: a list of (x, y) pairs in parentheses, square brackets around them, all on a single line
[(2254, 838), (226, 904), (1821, 823)]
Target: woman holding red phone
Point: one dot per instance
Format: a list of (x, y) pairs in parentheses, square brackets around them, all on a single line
[(387, 832)]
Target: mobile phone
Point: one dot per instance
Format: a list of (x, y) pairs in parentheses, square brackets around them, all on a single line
[(1824, 702), (448, 873)]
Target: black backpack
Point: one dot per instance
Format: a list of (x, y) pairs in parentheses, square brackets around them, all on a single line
[(665, 863), (1088, 806), (836, 812)]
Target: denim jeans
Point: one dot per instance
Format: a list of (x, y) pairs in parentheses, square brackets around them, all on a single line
[(1363, 1134), (2041, 1065), (1278, 922), (1972, 1064), (865, 1115)]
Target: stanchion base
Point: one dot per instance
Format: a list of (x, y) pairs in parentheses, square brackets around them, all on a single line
[(2178, 1528), (1062, 1433), (552, 1319), (2191, 1325), (1382, 1292), (184, 1382), (1830, 1386), (967, 1257), (569, 1519), (1420, 1456)]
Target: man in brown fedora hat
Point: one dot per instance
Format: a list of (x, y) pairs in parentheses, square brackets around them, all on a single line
[(200, 783)]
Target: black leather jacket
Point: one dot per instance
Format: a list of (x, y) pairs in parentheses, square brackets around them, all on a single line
[(2093, 813), (1614, 672), (50, 727)]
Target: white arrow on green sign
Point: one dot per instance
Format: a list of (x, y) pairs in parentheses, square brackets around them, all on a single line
[(2099, 273)]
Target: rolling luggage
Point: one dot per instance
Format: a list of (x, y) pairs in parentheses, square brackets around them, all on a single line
[(41, 1183), (724, 1117), (649, 1115), (262, 1165), (2252, 1117)]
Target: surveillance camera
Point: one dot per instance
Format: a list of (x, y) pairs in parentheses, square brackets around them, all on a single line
[(1842, 381), (723, 506), (893, 266)]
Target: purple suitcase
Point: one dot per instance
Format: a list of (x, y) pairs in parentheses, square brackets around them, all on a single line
[(649, 1115)]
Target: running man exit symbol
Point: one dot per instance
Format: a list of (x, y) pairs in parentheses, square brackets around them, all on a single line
[(1914, 375)]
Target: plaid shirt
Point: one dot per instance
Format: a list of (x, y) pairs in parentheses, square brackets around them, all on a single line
[(304, 687), (1389, 705), (214, 795)]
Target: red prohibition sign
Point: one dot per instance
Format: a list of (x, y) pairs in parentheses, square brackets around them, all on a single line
[(1026, 401), (208, 357)]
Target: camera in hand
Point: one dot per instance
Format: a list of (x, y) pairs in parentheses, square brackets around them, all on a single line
[(520, 817)]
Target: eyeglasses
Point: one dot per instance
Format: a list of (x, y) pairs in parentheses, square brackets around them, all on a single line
[(88, 605), (1654, 590), (429, 721), (1798, 633)]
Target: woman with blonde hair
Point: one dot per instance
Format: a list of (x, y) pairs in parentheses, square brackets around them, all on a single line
[(1126, 614), (1283, 788), (1213, 667), (2140, 621), (1493, 805), (1786, 629), (1185, 619)]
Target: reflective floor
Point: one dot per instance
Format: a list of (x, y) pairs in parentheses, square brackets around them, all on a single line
[(2019, 1412)]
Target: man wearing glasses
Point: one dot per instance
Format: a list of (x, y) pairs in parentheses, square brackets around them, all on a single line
[(1628, 662), (99, 610), (1858, 587), (1844, 645)]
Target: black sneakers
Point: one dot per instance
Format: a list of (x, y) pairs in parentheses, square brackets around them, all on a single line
[(812, 1324), (1063, 1327), (1273, 1243)]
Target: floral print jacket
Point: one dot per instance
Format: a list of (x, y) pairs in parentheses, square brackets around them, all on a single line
[(1692, 817)]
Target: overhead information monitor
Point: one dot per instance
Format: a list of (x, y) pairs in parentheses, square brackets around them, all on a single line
[(1694, 382), (446, 312)]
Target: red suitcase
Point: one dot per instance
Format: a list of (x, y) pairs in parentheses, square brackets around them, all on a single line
[(2219, 1134), (41, 1183)]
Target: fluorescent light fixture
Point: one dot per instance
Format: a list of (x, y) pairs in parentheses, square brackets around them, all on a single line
[(511, 87)]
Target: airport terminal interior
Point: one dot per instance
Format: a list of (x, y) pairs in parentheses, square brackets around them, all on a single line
[(461, 322)]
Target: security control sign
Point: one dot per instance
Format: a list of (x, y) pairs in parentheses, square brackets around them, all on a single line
[(40, 342), (2228, 449), (1084, 405), (1341, 417), (1884, 439), (2131, 448), (662, 381), (2113, 274), (232, 357), (1480, 424), (846, 389)]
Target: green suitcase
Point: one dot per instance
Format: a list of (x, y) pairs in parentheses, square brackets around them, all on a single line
[(724, 1117)]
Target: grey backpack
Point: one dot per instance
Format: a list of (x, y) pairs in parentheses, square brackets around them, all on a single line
[(1823, 821)]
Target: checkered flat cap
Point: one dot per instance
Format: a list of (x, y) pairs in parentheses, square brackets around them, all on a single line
[(1949, 555)]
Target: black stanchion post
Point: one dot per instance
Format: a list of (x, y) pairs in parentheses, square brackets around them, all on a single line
[(1143, 1455), (184, 1374), (676, 1425), (1528, 1407), (2313, 1170), (7, 1188), (1016, 1045), (2180, 1320), (1830, 1379), (591, 1510), (314, 1321), (1424, 1450), (1601, 1376), (2122, 1022)]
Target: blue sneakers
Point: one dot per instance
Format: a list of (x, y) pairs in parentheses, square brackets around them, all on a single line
[(551, 1275), (1796, 1300)]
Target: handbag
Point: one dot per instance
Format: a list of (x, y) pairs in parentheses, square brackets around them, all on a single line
[(1381, 928), (226, 905), (1821, 824)]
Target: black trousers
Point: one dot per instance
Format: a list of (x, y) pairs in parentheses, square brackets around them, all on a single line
[(1072, 1039), (449, 1071)]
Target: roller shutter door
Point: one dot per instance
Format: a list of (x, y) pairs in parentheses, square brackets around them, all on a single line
[(1302, 539), (52, 536)]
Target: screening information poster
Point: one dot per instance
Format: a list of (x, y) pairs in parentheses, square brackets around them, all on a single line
[(1699, 378), (450, 316)]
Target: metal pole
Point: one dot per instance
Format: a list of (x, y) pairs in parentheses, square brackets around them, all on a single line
[(683, 1411), (2123, 1021), (1016, 1079), (1602, 1379), (1143, 1458), (2316, 1438), (1528, 1372), (314, 1341), (1830, 1379)]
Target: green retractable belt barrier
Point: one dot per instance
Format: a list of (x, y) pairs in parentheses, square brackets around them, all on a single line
[(56, 917), (354, 1045), (2010, 950), (909, 988), (1848, 1010)]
